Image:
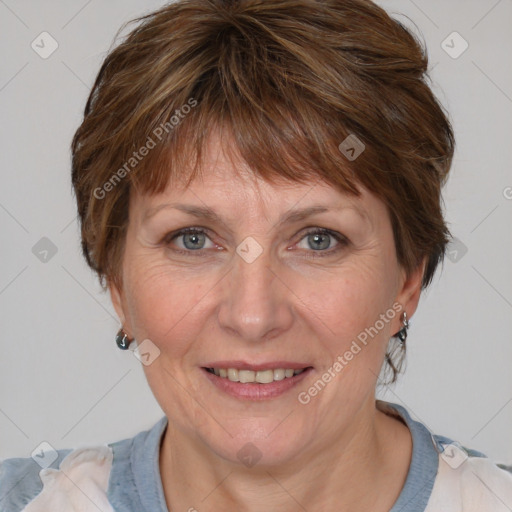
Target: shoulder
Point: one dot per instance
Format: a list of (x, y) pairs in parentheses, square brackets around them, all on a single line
[(447, 476), (60, 480), (20, 481), (468, 480), (88, 478)]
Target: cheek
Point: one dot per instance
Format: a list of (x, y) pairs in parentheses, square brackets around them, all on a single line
[(164, 303), (349, 300), (344, 310)]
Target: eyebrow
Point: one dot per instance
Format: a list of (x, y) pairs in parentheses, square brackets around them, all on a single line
[(204, 212)]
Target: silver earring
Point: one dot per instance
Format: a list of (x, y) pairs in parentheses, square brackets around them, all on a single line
[(122, 340), (402, 333)]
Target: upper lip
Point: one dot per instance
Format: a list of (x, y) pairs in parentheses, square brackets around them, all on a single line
[(244, 365)]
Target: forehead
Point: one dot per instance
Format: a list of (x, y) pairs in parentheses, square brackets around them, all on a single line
[(227, 184)]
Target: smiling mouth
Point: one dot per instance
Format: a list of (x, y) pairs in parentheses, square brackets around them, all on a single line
[(252, 376)]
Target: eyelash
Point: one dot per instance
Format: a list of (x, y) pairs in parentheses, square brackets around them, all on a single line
[(342, 241)]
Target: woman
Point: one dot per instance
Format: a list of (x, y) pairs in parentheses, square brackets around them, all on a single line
[(259, 189)]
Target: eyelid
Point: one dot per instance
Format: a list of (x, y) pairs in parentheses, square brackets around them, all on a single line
[(169, 237), (341, 240)]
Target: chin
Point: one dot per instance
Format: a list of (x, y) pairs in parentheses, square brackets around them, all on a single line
[(261, 442)]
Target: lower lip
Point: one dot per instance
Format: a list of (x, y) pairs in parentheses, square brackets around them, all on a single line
[(255, 391)]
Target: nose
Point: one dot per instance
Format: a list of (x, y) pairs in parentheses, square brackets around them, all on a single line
[(256, 302)]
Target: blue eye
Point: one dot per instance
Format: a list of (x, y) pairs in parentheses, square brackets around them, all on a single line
[(318, 240), (193, 239)]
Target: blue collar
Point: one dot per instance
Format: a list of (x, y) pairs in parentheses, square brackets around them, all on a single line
[(424, 462)]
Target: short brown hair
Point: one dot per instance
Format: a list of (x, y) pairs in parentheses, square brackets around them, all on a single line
[(288, 81)]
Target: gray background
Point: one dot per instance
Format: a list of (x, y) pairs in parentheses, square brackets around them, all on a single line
[(62, 378)]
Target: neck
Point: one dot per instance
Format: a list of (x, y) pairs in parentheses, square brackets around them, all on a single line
[(362, 468)]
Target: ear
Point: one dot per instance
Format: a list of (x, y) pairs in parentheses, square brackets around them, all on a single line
[(116, 296), (409, 291)]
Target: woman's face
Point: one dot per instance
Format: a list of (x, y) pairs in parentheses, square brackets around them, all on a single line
[(257, 289)]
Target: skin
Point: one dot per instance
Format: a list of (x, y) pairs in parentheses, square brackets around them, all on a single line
[(338, 452)]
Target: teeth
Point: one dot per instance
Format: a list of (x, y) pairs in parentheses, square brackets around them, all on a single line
[(260, 376), (279, 374), (264, 376), (233, 375), (246, 375)]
